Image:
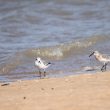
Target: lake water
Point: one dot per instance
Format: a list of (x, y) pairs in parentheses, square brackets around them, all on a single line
[(64, 32)]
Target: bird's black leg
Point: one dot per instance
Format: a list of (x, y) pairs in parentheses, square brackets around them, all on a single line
[(40, 73), (105, 66), (44, 73), (102, 68)]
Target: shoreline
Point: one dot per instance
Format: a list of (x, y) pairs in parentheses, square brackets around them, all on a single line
[(76, 92)]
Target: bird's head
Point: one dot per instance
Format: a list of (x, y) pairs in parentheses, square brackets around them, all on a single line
[(38, 59), (94, 53)]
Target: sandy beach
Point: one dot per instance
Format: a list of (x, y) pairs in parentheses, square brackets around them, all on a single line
[(78, 92), (72, 36)]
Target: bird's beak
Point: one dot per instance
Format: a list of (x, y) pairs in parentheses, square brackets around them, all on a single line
[(91, 54)]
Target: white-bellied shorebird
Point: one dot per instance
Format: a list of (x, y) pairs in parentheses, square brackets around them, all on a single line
[(42, 65), (101, 58)]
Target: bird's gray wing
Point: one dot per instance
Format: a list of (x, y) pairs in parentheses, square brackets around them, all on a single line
[(106, 56), (44, 62)]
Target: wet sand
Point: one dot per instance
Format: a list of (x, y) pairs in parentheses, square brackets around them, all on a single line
[(78, 92)]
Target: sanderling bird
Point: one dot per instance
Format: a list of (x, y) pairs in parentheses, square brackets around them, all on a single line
[(41, 65), (101, 58)]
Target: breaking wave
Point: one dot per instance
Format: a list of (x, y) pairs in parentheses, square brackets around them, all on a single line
[(58, 52), (65, 50)]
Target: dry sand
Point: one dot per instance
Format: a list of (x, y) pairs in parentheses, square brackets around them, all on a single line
[(79, 92)]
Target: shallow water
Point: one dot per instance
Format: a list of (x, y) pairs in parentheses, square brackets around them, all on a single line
[(60, 31)]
